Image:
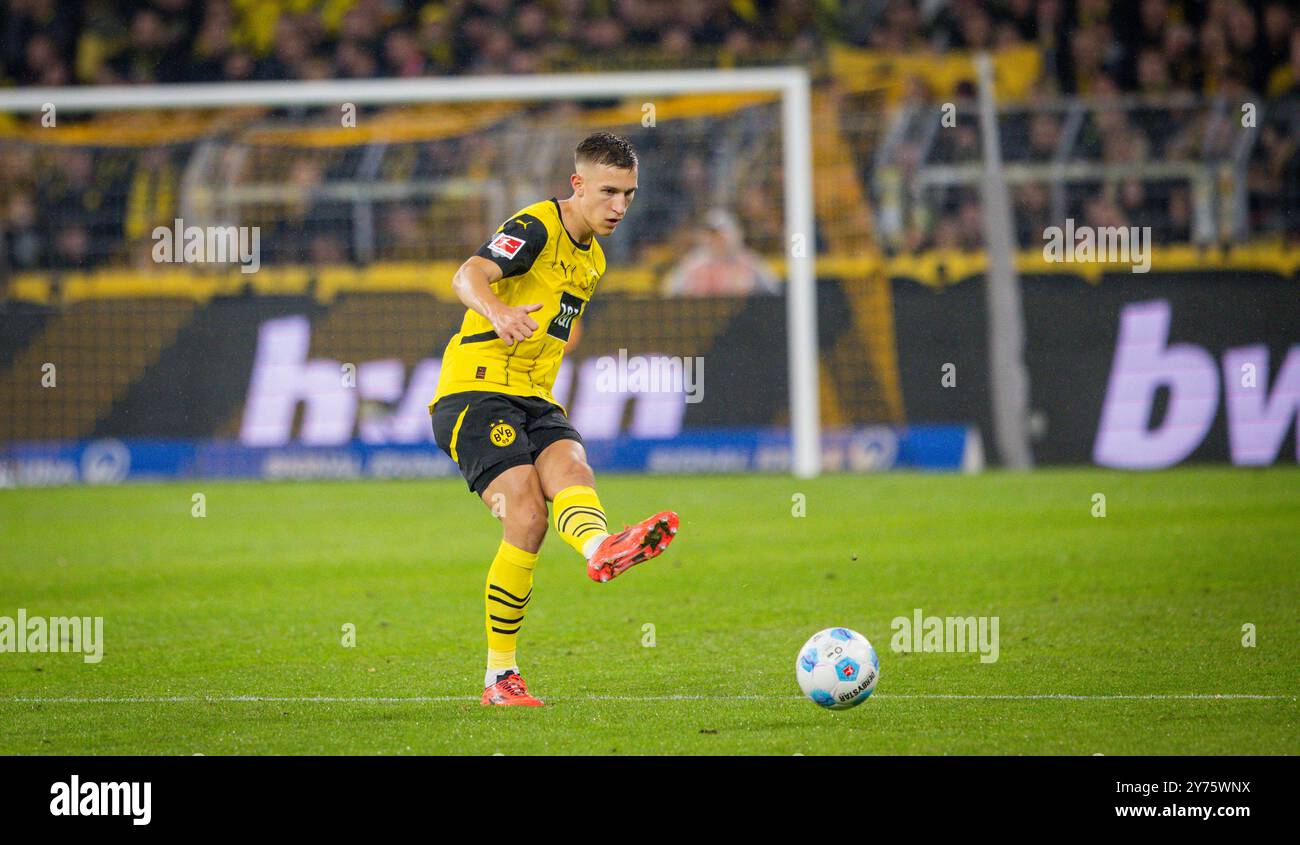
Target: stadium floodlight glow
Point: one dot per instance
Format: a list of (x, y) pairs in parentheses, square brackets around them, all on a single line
[(792, 84)]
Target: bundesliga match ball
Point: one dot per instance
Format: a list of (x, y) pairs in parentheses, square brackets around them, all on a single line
[(837, 668)]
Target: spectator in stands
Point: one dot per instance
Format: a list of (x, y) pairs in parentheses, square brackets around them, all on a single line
[(72, 197), (1089, 47), (1131, 199), (975, 29), (213, 45), (403, 56), (675, 44), (1153, 18), (22, 239), (326, 250), (238, 66), (156, 50), (947, 236), (309, 223), (292, 48), (1176, 225), (1179, 48), (1032, 211), (43, 64), (1102, 211), (1052, 42), (970, 220), (1153, 72), (720, 264), (404, 237), (1285, 80), (361, 25), (958, 144), (434, 36), (71, 248), (56, 25), (354, 61), (1044, 135), (1275, 47)]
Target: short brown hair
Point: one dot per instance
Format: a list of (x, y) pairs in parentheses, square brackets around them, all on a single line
[(608, 149)]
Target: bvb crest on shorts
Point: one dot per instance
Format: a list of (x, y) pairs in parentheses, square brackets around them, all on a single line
[(502, 434)]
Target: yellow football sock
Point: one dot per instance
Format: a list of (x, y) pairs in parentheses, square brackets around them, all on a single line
[(509, 589), (579, 517)]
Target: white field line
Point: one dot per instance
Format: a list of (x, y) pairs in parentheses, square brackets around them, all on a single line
[(433, 699)]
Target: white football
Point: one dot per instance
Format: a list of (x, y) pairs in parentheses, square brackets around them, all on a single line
[(837, 668)]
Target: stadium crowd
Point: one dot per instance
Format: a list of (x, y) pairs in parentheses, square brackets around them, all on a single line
[(1105, 49), (1153, 46)]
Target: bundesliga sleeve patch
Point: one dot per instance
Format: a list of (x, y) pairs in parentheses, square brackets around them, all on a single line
[(515, 246), (506, 246)]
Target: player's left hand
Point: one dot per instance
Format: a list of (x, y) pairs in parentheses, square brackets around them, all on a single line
[(512, 322)]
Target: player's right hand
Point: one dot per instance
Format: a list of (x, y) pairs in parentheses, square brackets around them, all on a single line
[(512, 323)]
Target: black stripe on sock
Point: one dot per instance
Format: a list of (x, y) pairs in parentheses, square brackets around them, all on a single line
[(504, 631), (510, 594), (575, 510), (500, 600), (503, 619), (587, 529), (585, 525)]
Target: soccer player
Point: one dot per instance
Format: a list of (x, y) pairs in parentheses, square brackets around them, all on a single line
[(494, 415)]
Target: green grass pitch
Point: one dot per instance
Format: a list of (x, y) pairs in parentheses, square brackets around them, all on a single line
[(223, 634)]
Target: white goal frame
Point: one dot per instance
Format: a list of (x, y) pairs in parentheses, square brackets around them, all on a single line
[(792, 84)]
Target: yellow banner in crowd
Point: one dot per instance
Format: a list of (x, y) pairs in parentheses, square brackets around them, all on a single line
[(858, 70)]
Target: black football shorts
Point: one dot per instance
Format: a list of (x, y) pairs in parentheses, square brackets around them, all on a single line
[(488, 433)]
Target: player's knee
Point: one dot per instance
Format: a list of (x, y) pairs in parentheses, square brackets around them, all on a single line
[(581, 469), (576, 470), (527, 519)]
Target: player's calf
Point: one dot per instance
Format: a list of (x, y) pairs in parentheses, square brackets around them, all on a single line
[(515, 498)]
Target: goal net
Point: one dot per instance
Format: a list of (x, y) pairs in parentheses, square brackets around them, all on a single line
[(269, 264)]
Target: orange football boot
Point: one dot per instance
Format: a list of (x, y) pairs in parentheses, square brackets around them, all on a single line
[(633, 545), (510, 691)]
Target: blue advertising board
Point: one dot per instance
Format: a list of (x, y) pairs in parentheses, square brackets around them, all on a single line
[(731, 450)]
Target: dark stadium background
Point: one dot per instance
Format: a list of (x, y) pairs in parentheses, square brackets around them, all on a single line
[(1142, 99)]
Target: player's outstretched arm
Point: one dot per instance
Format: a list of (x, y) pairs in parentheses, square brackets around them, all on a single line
[(473, 284)]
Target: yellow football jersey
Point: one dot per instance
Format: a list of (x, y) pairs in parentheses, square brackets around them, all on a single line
[(540, 263)]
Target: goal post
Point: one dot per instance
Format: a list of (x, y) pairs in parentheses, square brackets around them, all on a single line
[(791, 84)]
